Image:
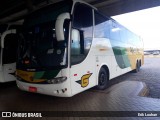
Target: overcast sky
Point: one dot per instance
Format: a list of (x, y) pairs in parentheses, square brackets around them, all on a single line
[(145, 23)]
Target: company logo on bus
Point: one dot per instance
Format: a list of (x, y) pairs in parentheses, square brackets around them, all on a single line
[(84, 82)]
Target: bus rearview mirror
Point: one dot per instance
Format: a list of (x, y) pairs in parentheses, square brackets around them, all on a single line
[(59, 25)]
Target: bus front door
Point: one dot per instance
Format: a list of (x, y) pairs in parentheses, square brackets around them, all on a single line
[(82, 71)]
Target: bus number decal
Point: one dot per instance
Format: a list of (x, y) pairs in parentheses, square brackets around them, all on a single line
[(84, 82)]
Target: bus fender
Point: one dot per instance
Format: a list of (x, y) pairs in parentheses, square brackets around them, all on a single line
[(98, 70)]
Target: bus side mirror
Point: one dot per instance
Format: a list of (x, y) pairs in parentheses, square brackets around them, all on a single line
[(4, 34), (59, 26)]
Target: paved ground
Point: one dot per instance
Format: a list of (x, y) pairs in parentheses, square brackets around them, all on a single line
[(119, 97), (149, 73)]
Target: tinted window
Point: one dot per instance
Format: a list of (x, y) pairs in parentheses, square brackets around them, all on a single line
[(81, 33), (49, 13), (3, 27), (115, 32), (123, 34), (38, 45), (102, 26), (10, 49)]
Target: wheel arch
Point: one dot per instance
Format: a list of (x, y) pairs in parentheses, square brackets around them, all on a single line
[(106, 68)]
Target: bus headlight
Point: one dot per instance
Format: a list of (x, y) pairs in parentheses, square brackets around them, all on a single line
[(57, 80)]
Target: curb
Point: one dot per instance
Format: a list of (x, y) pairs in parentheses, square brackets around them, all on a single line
[(145, 91)]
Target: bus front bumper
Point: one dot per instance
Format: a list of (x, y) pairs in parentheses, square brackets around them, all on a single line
[(60, 90)]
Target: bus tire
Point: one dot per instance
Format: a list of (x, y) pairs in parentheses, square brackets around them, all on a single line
[(140, 64), (137, 67), (102, 79)]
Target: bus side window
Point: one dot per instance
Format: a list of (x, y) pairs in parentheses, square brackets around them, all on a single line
[(115, 32), (82, 32), (102, 26), (10, 49)]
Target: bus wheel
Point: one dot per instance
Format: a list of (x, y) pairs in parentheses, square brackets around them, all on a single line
[(137, 67), (102, 79), (140, 64)]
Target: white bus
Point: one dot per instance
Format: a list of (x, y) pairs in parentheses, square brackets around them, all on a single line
[(8, 52), (69, 47)]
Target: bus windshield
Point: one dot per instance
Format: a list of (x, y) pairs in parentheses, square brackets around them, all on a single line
[(38, 46)]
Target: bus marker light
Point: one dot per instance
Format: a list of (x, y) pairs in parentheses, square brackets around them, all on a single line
[(75, 74), (32, 89)]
